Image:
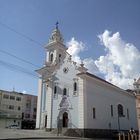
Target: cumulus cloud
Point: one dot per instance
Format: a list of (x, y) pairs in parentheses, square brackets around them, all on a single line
[(24, 92), (90, 65), (121, 64), (75, 48)]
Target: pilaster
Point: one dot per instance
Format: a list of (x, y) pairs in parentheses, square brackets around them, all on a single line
[(49, 105), (81, 103), (39, 103)]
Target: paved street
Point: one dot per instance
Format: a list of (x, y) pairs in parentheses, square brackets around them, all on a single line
[(20, 134), (53, 138), (34, 134)]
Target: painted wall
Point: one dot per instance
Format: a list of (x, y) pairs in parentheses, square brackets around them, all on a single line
[(66, 80), (91, 94), (101, 96)]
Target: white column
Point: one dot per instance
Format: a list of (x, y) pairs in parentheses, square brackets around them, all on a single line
[(49, 105), (39, 103), (47, 57), (81, 103)]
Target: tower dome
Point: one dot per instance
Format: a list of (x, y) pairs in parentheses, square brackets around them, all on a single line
[(56, 36), (55, 49)]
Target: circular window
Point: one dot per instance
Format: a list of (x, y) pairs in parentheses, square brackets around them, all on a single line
[(65, 70)]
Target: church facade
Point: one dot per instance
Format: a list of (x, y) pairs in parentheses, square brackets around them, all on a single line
[(71, 97)]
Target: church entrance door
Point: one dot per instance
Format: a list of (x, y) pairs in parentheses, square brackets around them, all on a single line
[(65, 119)]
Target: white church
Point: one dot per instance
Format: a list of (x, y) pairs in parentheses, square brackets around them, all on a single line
[(72, 98)]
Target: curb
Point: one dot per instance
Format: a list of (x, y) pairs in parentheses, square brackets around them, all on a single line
[(40, 138)]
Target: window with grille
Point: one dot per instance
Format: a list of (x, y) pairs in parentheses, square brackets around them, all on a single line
[(19, 108), (12, 97), (111, 110), (75, 87), (11, 107), (120, 110), (18, 98), (6, 96)]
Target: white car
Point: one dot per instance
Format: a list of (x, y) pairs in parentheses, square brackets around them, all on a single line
[(14, 126)]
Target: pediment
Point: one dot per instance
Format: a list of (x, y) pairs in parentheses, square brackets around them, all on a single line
[(46, 70), (65, 103)]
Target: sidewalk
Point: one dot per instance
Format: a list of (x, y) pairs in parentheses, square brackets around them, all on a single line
[(21, 133), (36, 134)]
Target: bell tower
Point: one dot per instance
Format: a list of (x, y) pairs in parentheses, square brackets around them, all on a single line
[(55, 49), (136, 85)]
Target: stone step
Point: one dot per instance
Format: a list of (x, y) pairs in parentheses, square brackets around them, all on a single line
[(67, 132)]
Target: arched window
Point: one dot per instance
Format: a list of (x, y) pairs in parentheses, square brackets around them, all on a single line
[(64, 91), (94, 113), (120, 110), (59, 57), (51, 57), (55, 90), (75, 86)]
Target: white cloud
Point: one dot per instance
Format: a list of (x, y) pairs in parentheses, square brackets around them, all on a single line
[(24, 92), (121, 64), (75, 48), (90, 65)]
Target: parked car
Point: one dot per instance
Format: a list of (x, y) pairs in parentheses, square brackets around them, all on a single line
[(14, 126)]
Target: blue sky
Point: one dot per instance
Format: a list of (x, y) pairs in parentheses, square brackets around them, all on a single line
[(83, 20)]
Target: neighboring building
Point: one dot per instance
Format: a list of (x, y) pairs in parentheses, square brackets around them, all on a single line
[(29, 111), (10, 108), (70, 97), (17, 109), (137, 92)]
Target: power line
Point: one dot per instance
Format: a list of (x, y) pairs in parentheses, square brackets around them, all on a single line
[(23, 70), (17, 68), (21, 34), (18, 58)]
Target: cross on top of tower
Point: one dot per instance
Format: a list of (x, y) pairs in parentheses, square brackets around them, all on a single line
[(56, 24)]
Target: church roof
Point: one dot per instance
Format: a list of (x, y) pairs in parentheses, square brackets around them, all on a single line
[(100, 79), (94, 76)]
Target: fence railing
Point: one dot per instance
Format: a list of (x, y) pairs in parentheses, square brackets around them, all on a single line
[(128, 136)]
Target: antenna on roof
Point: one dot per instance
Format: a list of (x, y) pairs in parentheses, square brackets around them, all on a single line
[(82, 64), (13, 89)]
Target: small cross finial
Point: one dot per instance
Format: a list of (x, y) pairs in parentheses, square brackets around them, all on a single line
[(82, 64), (56, 24)]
